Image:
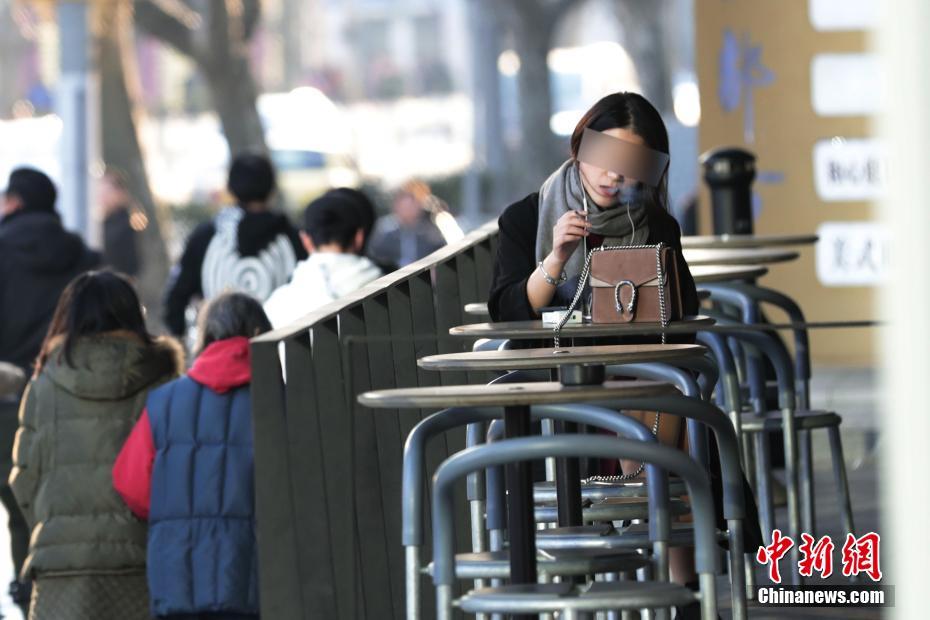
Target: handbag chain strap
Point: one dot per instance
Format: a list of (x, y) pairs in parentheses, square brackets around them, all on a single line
[(663, 317), (625, 477)]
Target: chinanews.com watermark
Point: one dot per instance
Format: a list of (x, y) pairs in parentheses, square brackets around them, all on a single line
[(860, 559), (870, 595)]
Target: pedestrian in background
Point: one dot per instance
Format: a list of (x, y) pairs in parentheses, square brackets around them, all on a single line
[(38, 258), (246, 247), (96, 366), (188, 468), (120, 224), (408, 234), (333, 235)]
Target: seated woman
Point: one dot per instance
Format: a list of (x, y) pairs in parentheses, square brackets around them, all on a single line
[(609, 192), (538, 258), (583, 205)]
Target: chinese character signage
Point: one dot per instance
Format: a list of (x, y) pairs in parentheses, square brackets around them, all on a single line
[(858, 556)]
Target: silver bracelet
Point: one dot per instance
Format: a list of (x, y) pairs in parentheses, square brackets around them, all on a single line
[(550, 279)]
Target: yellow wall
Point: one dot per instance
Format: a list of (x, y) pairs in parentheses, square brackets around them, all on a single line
[(786, 129)]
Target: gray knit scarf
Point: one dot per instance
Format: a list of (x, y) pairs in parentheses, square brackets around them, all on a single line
[(563, 191)]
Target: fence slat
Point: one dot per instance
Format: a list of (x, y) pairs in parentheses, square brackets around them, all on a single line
[(381, 362), (306, 468), (468, 280), (279, 583), (370, 530), (450, 311), (484, 267)]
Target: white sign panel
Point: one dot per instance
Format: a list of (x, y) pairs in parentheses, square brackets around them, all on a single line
[(843, 14), (846, 84), (849, 169), (852, 254)]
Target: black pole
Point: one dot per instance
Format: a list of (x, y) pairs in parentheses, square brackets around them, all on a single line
[(520, 508)]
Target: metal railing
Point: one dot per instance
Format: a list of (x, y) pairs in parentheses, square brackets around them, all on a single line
[(327, 470)]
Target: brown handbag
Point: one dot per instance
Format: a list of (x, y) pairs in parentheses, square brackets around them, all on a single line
[(635, 284), (630, 284)]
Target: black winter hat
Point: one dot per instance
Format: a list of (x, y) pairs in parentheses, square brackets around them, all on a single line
[(33, 188)]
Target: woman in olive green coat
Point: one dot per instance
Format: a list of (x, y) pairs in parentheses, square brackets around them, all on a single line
[(97, 365)]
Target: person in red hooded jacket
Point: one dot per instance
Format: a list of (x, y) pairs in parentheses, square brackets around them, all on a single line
[(188, 467)]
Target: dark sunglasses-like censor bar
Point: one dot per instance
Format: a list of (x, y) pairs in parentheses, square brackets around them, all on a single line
[(625, 158)]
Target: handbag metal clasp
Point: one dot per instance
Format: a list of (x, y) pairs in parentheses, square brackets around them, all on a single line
[(619, 305)]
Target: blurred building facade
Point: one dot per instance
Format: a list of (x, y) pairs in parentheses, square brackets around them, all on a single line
[(802, 96), (428, 87)]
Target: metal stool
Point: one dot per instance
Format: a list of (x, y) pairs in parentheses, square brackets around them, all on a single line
[(606, 536), (566, 562), (535, 599), (414, 480), (748, 298), (596, 491), (614, 509), (733, 504), (573, 600)]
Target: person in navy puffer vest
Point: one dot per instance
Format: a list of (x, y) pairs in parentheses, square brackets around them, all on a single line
[(187, 467)]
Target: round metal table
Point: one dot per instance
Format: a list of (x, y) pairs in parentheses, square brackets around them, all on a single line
[(535, 330), (524, 359), (516, 399), (710, 274), (576, 365), (738, 256), (703, 274), (716, 242)]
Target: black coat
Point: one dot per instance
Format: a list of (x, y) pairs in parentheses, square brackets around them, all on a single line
[(38, 258), (516, 260), (119, 243)]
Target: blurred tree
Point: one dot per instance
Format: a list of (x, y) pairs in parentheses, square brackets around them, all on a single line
[(490, 162), (643, 29), (215, 35), (532, 24), (120, 140), (15, 44)]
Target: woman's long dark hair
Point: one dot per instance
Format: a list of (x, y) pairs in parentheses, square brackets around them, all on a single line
[(632, 112), (230, 315), (93, 303)]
